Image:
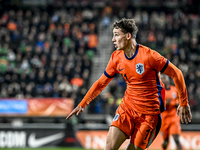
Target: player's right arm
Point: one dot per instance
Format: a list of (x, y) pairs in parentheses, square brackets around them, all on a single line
[(93, 92), (101, 83)]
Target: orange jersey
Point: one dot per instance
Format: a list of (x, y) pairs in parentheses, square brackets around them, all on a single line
[(141, 72), (172, 95), (143, 93), (170, 120)]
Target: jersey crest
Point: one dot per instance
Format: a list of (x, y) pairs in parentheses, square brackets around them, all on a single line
[(140, 68)]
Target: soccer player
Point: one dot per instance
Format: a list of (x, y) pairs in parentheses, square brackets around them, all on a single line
[(138, 116), (170, 121)]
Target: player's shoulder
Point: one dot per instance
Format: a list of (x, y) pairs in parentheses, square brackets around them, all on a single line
[(144, 48), (145, 51), (115, 56), (116, 53), (150, 52)]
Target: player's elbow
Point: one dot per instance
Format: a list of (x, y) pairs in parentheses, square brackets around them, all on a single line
[(177, 74)]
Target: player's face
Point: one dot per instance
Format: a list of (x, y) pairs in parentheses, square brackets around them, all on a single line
[(119, 39)]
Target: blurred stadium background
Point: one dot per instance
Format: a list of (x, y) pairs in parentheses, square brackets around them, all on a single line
[(51, 51)]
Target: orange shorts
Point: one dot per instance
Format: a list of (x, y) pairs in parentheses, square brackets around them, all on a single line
[(142, 129), (170, 127)]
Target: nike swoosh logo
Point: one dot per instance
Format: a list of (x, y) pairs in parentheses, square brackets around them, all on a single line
[(121, 69), (33, 142)]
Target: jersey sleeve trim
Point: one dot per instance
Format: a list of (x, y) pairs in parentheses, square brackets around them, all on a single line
[(107, 75), (163, 69)]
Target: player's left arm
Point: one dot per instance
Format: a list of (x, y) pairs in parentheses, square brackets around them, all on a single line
[(161, 64), (183, 109), (177, 100)]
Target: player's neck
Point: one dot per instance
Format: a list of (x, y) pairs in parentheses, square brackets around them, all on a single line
[(131, 48)]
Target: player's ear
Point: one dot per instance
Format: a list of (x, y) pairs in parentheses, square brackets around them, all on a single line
[(128, 36)]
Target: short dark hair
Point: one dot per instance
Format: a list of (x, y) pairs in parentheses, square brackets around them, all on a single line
[(126, 26)]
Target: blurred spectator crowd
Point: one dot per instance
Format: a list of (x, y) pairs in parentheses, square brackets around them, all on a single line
[(48, 52)]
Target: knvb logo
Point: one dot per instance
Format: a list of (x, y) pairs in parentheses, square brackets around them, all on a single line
[(140, 68)]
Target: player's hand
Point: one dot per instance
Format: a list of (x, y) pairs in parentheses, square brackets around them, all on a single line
[(184, 113), (76, 111)]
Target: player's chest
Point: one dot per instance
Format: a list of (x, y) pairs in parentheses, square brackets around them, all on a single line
[(135, 69)]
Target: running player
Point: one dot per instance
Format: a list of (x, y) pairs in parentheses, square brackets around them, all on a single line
[(170, 121), (138, 116)]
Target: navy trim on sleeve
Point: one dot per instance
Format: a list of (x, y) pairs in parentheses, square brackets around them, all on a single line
[(107, 75), (163, 69)]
